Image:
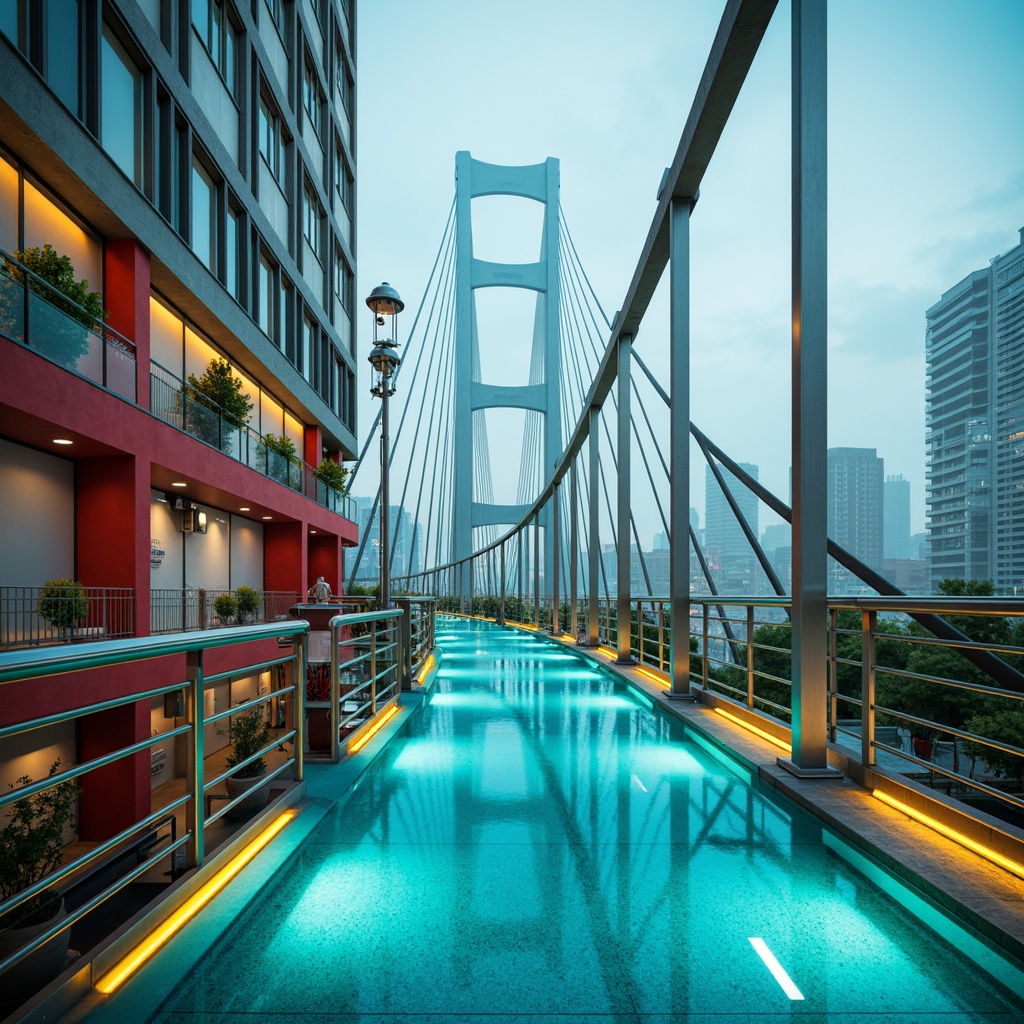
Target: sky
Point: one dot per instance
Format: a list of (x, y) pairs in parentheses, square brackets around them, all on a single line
[(926, 185)]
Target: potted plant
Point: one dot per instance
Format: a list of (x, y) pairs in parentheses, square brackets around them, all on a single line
[(223, 407), (225, 606), (51, 277), (248, 601), (248, 734), (31, 848), (332, 476), (280, 457), (63, 604)]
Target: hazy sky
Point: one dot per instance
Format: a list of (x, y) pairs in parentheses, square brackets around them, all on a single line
[(926, 184)]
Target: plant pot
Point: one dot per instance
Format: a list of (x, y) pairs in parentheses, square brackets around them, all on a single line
[(41, 966), (258, 789)]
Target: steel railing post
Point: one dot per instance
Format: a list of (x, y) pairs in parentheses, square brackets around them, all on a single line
[(750, 655), (195, 809), (867, 687)]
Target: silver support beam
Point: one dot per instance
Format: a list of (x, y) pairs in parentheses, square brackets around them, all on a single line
[(679, 455), (622, 512), (536, 570), (594, 551), (556, 556), (809, 392), (574, 547), (501, 613), (195, 851)]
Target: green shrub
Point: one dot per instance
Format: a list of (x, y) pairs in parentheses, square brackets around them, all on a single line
[(225, 606), (63, 603), (248, 601), (248, 733), (333, 475), (221, 393)]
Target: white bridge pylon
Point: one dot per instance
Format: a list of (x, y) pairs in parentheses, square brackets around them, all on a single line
[(539, 182)]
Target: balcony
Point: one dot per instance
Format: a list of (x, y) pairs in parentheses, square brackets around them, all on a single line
[(178, 404), (36, 315)]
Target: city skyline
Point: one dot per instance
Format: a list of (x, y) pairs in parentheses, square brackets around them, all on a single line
[(897, 242)]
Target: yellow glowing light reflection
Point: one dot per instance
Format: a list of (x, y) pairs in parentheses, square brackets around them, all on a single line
[(757, 732), (126, 967), (648, 674), (425, 671), (568, 639), (373, 730), (951, 833), (608, 652)]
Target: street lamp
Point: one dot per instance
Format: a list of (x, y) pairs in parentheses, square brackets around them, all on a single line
[(384, 302)]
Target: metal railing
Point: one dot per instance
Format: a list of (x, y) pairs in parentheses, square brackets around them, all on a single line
[(179, 405), (174, 611), (45, 320), (42, 663), (362, 679), (418, 632), (30, 616)]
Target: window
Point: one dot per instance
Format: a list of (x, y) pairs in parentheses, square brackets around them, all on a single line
[(121, 107), (63, 52), (276, 8), (342, 78), (311, 96), (168, 176), (231, 253), (272, 144), (311, 218), (213, 26), (342, 177), (204, 215), (265, 294), (343, 285), (309, 339), (14, 22)]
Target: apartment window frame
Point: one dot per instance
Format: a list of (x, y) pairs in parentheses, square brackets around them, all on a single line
[(219, 37), (278, 17), (112, 41), (312, 95), (266, 290), (344, 180), (202, 168), (344, 280), (312, 218), (271, 139)]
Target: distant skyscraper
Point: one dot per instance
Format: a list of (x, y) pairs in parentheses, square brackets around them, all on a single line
[(896, 518), (974, 414), (660, 542), (405, 542), (855, 478), (725, 545)]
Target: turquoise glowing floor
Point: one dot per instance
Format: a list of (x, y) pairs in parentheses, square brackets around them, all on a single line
[(539, 844)]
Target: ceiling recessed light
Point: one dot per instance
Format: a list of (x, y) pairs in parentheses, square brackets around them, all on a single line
[(268, 517), (179, 483), (62, 440), (312, 531), (245, 508)]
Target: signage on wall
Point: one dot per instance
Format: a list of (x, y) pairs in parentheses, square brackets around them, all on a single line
[(156, 553)]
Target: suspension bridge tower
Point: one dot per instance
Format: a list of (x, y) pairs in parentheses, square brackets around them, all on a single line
[(538, 182)]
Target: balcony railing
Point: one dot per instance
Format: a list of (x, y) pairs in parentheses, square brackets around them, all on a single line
[(180, 611), (41, 318), (178, 404), (32, 616)]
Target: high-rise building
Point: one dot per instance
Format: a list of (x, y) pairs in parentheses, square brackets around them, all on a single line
[(405, 542), (896, 517), (855, 496), (194, 161), (974, 414), (729, 554)]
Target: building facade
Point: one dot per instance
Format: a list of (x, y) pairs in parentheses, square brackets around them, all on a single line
[(896, 517), (729, 554), (194, 159), (855, 510), (974, 415)]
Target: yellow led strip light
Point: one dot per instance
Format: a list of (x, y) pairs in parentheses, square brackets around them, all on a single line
[(425, 671), (373, 730), (128, 965), (608, 652), (648, 674), (951, 833), (754, 729)]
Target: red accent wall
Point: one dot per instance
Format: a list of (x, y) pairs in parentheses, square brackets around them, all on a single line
[(284, 557), (117, 795), (126, 299), (324, 553), (313, 446)]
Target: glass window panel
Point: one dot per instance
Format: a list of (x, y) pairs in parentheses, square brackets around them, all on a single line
[(265, 297), (231, 253), (204, 233), (201, 20), (63, 52), (13, 17), (121, 107), (8, 206)]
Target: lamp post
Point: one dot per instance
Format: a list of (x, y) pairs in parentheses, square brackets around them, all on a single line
[(384, 302)]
